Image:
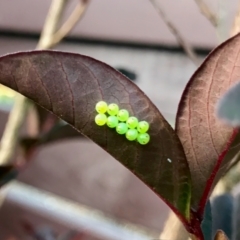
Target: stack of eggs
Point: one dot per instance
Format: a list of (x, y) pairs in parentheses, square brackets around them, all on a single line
[(117, 118)]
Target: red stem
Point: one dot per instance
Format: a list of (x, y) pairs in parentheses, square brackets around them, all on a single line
[(195, 227)]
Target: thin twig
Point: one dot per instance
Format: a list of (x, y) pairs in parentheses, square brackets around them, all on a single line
[(70, 23), (236, 23), (174, 229), (51, 23), (206, 11), (19, 111), (11, 132), (185, 45), (72, 214), (222, 28)]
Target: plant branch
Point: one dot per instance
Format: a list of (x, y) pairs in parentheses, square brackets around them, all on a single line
[(206, 11), (51, 23), (236, 23), (10, 135), (70, 23), (174, 229), (17, 115), (185, 45), (71, 214)]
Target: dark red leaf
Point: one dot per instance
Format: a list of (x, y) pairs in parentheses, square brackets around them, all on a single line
[(206, 139), (70, 85)]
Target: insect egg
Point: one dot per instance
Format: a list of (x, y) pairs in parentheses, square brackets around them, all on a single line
[(143, 138), (132, 134), (121, 128), (101, 107), (132, 122), (113, 109), (112, 121), (101, 119), (123, 115), (143, 126)]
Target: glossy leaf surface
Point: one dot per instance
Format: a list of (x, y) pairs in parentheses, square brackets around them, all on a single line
[(70, 85), (205, 138)]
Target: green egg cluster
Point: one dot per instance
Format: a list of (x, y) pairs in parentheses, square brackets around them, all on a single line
[(130, 126)]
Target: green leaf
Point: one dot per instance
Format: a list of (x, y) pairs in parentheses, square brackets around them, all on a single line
[(69, 85)]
